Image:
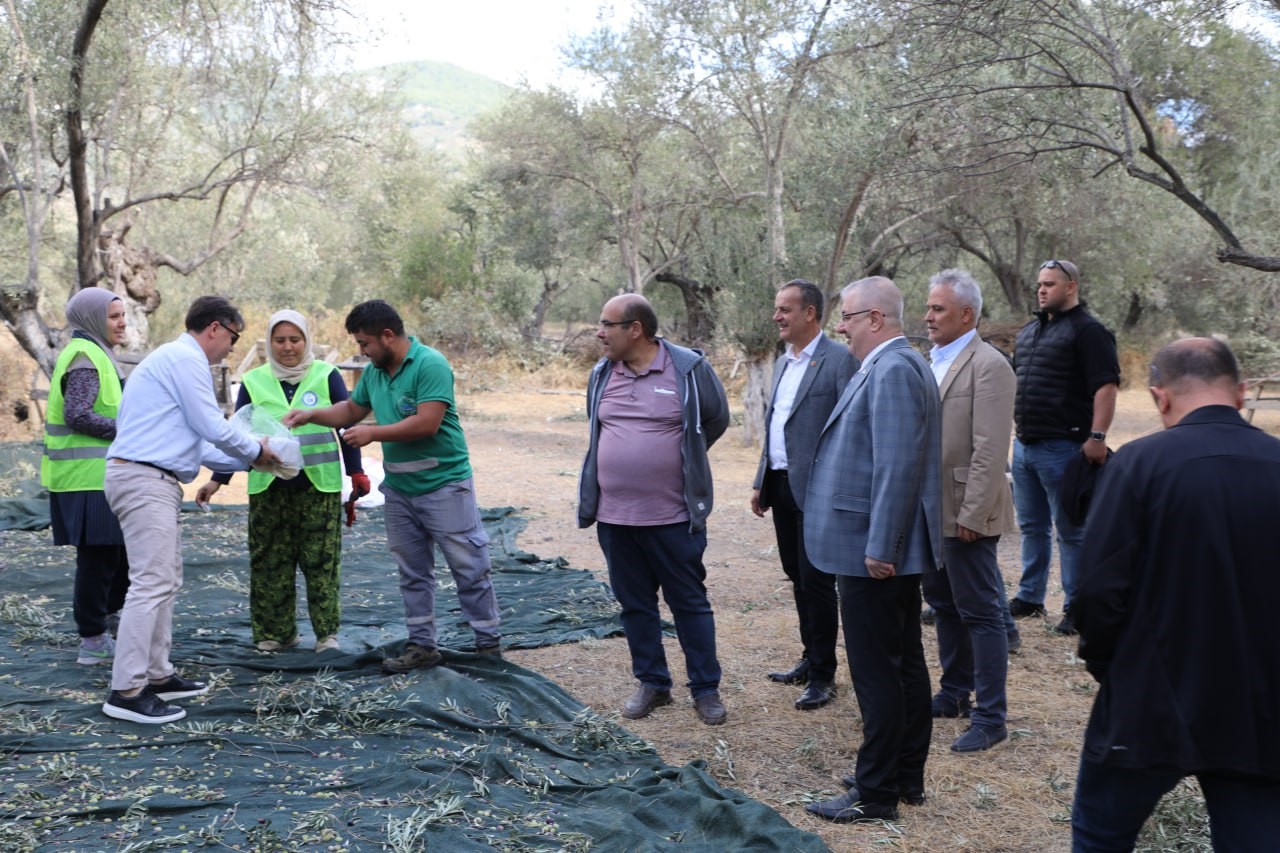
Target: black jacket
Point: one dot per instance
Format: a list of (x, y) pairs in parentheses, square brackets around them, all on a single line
[(1176, 601)]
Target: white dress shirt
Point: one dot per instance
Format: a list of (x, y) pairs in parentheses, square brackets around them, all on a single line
[(940, 358), (784, 399)]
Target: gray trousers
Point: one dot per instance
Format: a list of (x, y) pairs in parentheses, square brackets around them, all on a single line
[(447, 517)]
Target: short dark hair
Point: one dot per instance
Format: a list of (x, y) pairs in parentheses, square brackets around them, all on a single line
[(370, 318), (1067, 268), (1207, 360), (207, 310), (639, 310), (810, 294)]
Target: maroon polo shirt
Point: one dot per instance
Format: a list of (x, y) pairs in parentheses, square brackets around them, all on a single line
[(640, 468)]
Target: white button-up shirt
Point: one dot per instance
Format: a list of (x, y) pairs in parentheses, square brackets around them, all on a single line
[(784, 400), (940, 358)]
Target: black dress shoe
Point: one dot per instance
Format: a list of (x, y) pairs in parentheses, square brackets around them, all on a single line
[(911, 798), (797, 675), (846, 808), (817, 694)]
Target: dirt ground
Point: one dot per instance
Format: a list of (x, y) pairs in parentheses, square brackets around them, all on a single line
[(527, 435), (527, 443)]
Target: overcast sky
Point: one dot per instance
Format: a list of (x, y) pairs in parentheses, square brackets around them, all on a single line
[(508, 40), (511, 40)]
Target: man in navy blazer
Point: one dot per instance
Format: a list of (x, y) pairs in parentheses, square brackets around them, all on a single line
[(874, 518), (807, 379)]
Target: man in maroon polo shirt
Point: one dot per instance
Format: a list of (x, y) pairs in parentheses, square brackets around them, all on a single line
[(654, 409)]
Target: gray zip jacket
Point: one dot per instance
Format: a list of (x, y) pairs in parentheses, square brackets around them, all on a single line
[(706, 416)]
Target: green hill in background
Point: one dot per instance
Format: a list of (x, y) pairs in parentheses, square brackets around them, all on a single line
[(441, 99)]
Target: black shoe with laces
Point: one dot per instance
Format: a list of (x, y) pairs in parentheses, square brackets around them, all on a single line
[(146, 707), (1020, 609), (177, 687), (798, 674)]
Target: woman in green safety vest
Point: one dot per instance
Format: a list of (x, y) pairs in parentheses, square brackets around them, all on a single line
[(84, 393), (295, 524)]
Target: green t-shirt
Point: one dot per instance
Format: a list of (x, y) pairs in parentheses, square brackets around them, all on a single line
[(421, 466)]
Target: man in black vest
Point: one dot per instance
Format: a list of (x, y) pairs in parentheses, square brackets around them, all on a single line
[(1068, 375)]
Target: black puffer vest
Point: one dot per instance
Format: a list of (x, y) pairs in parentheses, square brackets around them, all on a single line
[(1053, 399)]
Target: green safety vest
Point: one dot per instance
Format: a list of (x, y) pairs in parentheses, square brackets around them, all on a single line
[(73, 461), (319, 443)]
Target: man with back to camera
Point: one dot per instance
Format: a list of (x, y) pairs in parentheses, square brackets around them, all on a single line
[(654, 410), (807, 380), (873, 518), (1176, 611), (428, 484), (977, 385), (1068, 376), (168, 425)]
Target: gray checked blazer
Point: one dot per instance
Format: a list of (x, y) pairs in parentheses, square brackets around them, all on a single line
[(824, 378), (874, 489)]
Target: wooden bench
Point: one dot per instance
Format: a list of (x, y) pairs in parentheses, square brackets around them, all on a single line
[(1261, 393)]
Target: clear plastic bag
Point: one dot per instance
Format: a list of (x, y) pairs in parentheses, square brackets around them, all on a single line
[(257, 422)]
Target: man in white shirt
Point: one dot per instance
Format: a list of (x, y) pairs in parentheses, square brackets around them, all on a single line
[(169, 424), (807, 380)]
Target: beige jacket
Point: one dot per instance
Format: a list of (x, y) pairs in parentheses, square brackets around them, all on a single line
[(977, 425)]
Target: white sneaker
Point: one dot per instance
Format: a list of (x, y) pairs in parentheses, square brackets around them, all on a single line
[(327, 644), (276, 646)]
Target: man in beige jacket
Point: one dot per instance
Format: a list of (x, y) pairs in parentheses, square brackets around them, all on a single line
[(977, 387)]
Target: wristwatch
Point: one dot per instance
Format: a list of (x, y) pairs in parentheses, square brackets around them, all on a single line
[(1098, 436)]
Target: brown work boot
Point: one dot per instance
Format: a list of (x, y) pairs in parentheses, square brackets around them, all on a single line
[(710, 709), (644, 700), (413, 657)]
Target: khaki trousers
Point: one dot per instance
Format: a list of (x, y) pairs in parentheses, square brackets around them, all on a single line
[(147, 502)]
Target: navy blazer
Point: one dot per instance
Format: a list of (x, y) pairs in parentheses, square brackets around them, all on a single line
[(874, 489), (824, 378)]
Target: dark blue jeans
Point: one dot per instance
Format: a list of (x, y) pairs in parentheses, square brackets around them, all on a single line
[(1112, 803), (643, 560), (973, 646)]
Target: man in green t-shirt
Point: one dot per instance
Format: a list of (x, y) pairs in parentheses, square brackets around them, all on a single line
[(428, 486)]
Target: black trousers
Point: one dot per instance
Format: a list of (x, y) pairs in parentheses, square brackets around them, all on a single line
[(817, 604), (102, 579), (891, 681)]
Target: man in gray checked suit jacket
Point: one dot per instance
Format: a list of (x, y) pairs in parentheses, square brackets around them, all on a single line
[(807, 381), (874, 518)]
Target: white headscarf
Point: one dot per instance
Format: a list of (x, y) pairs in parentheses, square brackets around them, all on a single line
[(292, 375), (87, 316)]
